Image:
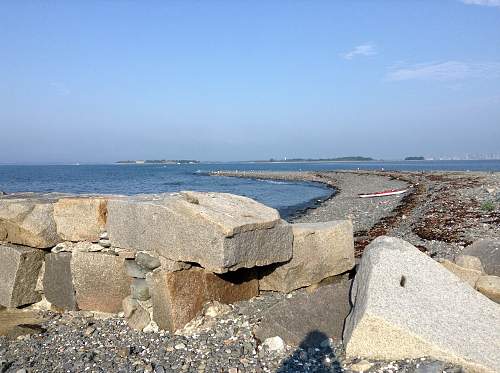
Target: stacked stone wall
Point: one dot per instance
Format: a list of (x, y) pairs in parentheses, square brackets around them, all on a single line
[(157, 258)]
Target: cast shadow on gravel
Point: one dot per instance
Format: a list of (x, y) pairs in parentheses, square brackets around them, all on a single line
[(312, 355)]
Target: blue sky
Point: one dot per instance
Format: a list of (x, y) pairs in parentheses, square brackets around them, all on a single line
[(234, 80)]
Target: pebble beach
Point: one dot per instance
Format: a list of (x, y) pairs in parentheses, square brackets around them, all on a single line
[(442, 212)]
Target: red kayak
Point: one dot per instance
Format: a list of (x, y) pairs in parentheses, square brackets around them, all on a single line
[(390, 192)]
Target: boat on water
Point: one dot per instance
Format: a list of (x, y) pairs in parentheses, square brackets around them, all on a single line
[(389, 192)]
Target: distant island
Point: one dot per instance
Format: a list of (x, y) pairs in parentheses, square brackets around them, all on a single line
[(414, 159), (338, 159), (161, 161)]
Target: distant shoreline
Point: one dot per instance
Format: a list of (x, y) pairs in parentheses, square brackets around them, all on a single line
[(312, 161), (388, 161), (159, 161)]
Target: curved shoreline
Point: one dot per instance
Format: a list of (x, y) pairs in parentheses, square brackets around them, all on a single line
[(294, 211), (441, 215), (344, 204), (330, 179)]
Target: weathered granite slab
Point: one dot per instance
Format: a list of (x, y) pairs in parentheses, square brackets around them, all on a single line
[(320, 250), (406, 305), (80, 218), (19, 269), (58, 281), (321, 314), (28, 219), (179, 296), (221, 232), (100, 280)]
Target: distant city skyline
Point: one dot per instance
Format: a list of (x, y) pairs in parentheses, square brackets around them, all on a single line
[(467, 156), (97, 82)]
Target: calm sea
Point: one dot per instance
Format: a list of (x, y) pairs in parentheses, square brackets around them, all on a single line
[(156, 178)]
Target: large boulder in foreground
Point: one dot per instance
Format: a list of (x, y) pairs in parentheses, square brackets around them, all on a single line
[(100, 281), (406, 305), (221, 232), (320, 314), (320, 250), (28, 219), (19, 270), (179, 296), (488, 251), (80, 218)]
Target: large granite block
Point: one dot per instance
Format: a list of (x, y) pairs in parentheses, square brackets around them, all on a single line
[(318, 314), (80, 218), (28, 219), (100, 280), (320, 250), (58, 282), (179, 296), (221, 232), (406, 305), (19, 269)]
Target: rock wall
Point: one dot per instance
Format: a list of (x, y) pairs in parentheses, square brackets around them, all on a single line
[(158, 258)]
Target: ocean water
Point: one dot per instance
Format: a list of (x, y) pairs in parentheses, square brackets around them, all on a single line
[(287, 197), (156, 178)]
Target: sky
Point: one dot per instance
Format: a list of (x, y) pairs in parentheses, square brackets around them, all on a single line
[(101, 81)]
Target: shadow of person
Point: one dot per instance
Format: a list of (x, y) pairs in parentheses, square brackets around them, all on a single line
[(314, 354)]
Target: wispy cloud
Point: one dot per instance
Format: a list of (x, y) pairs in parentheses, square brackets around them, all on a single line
[(446, 71), (360, 50), (60, 88), (482, 2)]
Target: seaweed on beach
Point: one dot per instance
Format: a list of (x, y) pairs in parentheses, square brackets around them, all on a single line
[(446, 214), (450, 214), (406, 206)]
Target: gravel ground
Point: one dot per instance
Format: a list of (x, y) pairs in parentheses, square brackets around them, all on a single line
[(364, 212), (82, 342), (442, 213)]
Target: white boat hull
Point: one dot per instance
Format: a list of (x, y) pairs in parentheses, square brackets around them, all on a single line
[(391, 193)]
